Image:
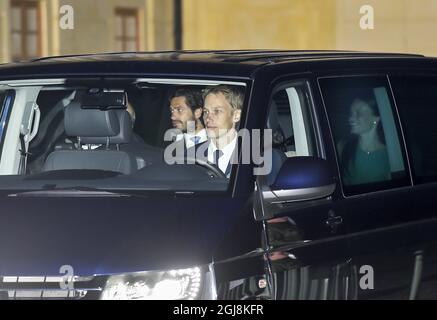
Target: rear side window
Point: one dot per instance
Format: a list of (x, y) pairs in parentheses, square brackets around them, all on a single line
[(416, 97), (365, 133)]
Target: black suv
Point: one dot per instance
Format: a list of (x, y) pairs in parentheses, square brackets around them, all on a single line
[(329, 191)]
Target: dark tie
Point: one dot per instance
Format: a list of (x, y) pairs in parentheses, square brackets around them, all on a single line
[(217, 155), (195, 139)]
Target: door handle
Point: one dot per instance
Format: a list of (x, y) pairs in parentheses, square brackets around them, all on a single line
[(333, 221)]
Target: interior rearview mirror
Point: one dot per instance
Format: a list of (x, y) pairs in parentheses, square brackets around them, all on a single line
[(101, 99)]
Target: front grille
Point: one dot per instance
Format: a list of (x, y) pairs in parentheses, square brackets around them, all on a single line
[(244, 289), (47, 287)]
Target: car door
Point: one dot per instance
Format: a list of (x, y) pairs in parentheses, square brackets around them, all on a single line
[(375, 183), (307, 250), (416, 98), (354, 244)]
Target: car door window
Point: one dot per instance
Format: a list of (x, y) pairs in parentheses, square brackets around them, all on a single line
[(290, 121), (416, 97), (365, 133)]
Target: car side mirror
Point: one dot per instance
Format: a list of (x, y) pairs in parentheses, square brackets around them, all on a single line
[(300, 179)]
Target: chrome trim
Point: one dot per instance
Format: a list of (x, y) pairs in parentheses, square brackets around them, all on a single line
[(47, 294), (25, 279), (346, 288), (314, 286), (295, 195), (41, 279), (66, 193), (324, 289), (188, 81), (45, 287), (210, 284), (31, 82), (417, 275)]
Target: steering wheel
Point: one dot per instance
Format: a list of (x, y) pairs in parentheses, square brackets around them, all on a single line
[(207, 165)]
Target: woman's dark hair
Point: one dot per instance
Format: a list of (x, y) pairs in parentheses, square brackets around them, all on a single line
[(350, 147)]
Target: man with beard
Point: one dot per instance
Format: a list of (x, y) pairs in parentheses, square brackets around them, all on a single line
[(186, 115)]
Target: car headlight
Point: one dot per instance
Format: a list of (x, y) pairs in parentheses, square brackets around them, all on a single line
[(182, 284)]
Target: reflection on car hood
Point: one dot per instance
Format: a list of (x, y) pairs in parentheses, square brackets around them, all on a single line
[(110, 235)]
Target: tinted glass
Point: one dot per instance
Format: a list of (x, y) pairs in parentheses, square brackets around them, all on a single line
[(142, 145), (290, 121), (365, 131), (416, 98)]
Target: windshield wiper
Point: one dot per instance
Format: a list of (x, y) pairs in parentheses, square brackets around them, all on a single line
[(73, 191)]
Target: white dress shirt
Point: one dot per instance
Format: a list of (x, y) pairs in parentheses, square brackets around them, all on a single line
[(188, 138), (228, 151)]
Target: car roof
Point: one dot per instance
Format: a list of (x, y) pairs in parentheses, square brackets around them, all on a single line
[(229, 56), (225, 62)]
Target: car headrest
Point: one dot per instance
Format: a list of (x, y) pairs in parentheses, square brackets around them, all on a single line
[(124, 135), (90, 122), (273, 123), (272, 120)]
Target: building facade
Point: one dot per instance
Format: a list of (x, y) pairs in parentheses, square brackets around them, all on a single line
[(33, 28), (398, 25)]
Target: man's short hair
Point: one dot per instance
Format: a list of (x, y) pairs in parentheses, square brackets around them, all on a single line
[(193, 97), (234, 95)]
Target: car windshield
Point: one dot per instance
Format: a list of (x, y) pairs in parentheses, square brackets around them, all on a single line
[(119, 134)]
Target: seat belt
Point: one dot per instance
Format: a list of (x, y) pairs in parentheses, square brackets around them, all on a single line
[(23, 156), (28, 131)]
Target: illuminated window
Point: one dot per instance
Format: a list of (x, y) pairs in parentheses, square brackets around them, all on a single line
[(25, 30), (126, 30)]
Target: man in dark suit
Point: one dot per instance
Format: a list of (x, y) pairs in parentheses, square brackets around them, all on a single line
[(188, 130), (186, 115), (221, 114)]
